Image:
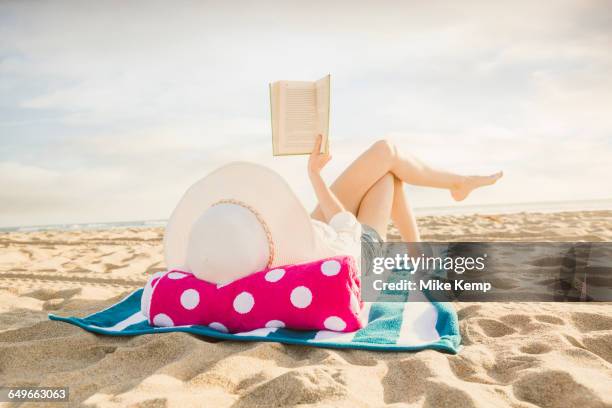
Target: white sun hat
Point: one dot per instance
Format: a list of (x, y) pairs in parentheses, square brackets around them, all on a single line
[(239, 219)]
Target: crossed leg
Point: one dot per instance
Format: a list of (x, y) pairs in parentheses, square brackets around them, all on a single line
[(372, 187), (377, 203), (387, 199)]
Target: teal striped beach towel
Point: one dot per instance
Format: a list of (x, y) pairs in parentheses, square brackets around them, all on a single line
[(392, 326)]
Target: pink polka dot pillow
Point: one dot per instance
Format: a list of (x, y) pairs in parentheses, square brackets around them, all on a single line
[(320, 295)]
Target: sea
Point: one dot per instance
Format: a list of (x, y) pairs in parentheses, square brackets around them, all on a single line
[(513, 208)]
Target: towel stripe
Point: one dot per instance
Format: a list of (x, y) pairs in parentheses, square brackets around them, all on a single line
[(419, 319), (133, 319)]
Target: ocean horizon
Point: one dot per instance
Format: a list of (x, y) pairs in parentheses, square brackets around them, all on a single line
[(487, 209)]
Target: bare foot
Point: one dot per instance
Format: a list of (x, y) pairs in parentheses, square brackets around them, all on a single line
[(461, 191)]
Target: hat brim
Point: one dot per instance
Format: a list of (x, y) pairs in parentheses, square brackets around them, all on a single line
[(259, 187)]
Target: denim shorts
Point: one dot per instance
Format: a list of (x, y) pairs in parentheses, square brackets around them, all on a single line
[(370, 244)]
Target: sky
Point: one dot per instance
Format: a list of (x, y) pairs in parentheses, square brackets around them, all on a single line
[(110, 110)]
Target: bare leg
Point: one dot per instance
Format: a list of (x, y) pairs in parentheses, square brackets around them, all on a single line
[(384, 200), (376, 205), (402, 214), (382, 158)]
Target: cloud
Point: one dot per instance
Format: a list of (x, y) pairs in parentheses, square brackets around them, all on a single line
[(128, 103)]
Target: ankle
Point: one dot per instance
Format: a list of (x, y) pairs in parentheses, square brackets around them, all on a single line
[(459, 182)]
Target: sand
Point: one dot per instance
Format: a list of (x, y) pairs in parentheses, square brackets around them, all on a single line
[(515, 354)]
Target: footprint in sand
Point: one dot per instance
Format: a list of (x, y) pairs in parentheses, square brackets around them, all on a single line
[(441, 394), (48, 294), (470, 366), (520, 321), (411, 371), (539, 388), (599, 344), (586, 322), (468, 311), (508, 366), (494, 328), (536, 348), (307, 385)]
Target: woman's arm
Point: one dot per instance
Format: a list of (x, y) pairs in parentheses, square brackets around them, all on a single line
[(328, 202)]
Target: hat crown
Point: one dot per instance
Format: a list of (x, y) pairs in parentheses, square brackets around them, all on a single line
[(226, 242)]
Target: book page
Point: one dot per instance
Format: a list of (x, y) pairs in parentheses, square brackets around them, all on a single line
[(298, 117), (322, 90)]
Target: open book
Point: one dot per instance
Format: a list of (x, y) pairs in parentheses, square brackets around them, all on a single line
[(300, 112)]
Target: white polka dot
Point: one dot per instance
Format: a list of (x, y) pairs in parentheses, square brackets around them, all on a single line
[(190, 299), (275, 275), (176, 275), (275, 323), (301, 297), (334, 323), (162, 320), (330, 268), (243, 303), (218, 326)]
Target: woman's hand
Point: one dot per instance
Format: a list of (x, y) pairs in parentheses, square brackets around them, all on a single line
[(328, 202), (317, 160)]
